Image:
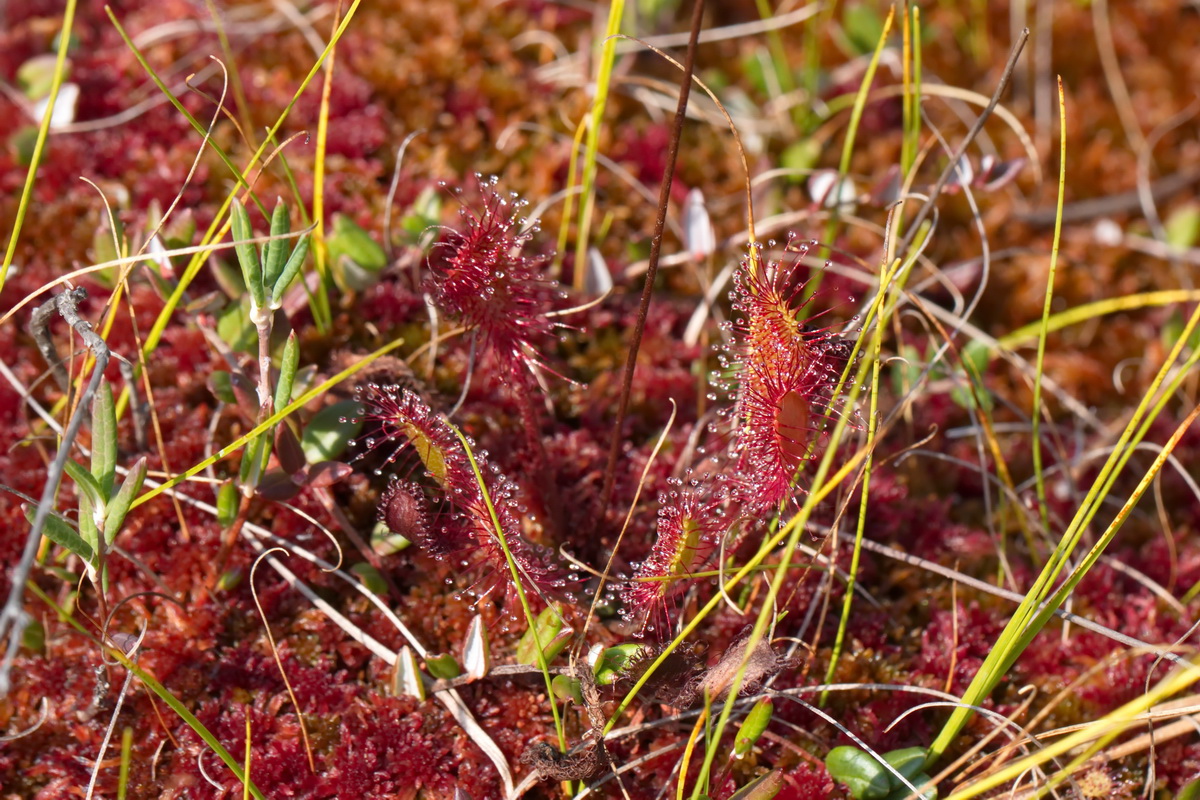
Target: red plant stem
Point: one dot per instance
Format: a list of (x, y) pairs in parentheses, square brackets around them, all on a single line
[(664, 196)]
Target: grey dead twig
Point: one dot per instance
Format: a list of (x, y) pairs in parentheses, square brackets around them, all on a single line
[(13, 617)]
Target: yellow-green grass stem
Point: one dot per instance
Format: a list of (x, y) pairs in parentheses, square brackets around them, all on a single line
[(1022, 625), (517, 584), (856, 112), (852, 575), (1040, 363), (39, 145), (608, 52)]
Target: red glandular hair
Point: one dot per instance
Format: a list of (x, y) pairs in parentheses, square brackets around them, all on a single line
[(785, 372), (481, 276), (692, 521), (397, 417)]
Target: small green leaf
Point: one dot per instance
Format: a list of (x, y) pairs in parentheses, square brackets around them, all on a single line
[(275, 250), (34, 636), (118, 507), (247, 254), (800, 156), (752, 727), (370, 577), (612, 662), (330, 431), (230, 579), (220, 384), (902, 792), (564, 687), (88, 530), (866, 778), (287, 371), (235, 328), (86, 483), (908, 761), (59, 531), (548, 625), (290, 270), (104, 438), (442, 665)]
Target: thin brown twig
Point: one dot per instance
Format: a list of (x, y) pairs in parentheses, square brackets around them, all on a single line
[(950, 169), (655, 248)]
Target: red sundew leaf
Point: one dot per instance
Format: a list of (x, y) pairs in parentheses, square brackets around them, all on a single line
[(486, 281), (469, 532), (785, 371), (691, 525)]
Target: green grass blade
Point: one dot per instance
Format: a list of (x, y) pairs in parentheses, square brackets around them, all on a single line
[(1040, 364), (64, 43), (608, 51)]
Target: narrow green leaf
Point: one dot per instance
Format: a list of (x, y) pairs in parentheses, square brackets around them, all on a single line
[(246, 253), (118, 507), (88, 531), (612, 661), (59, 531), (370, 577), (104, 438), (290, 270), (753, 726), (86, 483), (276, 249), (763, 787), (228, 500), (287, 371)]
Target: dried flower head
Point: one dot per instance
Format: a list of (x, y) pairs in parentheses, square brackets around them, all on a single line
[(484, 279), (470, 530), (785, 374)]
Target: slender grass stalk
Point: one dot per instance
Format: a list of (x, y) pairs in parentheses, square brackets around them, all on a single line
[(235, 80), (604, 68), (266, 424), (126, 760), (856, 112), (249, 751), (157, 688), (1088, 311), (564, 227), (1098, 734), (322, 315), (516, 578), (39, 145), (872, 425), (1040, 364), (1033, 612)]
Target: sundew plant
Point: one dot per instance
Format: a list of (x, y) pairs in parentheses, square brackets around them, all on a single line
[(459, 400)]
